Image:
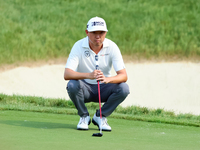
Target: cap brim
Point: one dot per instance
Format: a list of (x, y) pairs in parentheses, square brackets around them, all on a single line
[(96, 30)]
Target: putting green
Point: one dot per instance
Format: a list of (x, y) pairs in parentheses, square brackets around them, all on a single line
[(43, 131)]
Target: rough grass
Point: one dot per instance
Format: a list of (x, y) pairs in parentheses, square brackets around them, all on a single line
[(45, 29), (60, 106)]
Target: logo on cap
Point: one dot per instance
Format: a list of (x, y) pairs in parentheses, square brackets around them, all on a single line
[(97, 23)]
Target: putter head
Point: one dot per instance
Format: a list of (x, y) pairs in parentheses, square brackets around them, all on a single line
[(98, 134)]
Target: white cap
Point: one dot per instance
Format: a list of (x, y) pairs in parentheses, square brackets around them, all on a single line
[(96, 24)]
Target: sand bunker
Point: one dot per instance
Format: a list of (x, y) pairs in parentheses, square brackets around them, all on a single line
[(172, 86)]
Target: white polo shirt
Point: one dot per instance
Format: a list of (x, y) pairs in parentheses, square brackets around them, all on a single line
[(82, 58)]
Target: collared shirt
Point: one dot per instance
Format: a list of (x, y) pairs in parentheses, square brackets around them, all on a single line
[(82, 58)]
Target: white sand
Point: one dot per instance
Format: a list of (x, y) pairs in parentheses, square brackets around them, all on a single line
[(172, 86)]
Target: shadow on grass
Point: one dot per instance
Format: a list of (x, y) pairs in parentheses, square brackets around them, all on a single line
[(35, 124)]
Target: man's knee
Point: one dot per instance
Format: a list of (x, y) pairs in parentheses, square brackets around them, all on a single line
[(123, 89), (73, 86)]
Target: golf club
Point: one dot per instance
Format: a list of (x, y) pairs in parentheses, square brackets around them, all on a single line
[(100, 126)]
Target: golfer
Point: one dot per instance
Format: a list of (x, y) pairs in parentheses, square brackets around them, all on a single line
[(83, 75)]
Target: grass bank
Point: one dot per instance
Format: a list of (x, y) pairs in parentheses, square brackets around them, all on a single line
[(45, 29), (60, 106)]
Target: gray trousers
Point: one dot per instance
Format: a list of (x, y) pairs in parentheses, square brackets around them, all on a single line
[(81, 92)]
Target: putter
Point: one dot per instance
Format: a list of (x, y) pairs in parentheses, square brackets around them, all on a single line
[(98, 134)]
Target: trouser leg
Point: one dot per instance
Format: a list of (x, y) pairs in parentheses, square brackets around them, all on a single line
[(112, 95), (78, 92)]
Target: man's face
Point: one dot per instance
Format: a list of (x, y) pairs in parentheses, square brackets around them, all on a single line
[(96, 38)]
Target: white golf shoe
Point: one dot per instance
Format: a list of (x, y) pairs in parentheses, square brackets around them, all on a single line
[(83, 123), (101, 124)]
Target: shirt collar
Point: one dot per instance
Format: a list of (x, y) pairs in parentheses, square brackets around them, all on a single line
[(85, 43)]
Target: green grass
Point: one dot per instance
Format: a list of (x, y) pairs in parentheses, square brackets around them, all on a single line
[(44, 131), (45, 29), (61, 106)]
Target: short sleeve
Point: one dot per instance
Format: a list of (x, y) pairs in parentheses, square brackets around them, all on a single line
[(73, 59), (117, 59)]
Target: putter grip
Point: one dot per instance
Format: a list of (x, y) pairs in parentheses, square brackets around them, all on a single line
[(97, 62), (97, 65)]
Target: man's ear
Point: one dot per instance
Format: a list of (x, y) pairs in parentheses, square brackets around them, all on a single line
[(86, 31)]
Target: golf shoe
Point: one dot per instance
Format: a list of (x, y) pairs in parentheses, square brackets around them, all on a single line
[(103, 124), (83, 123)]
